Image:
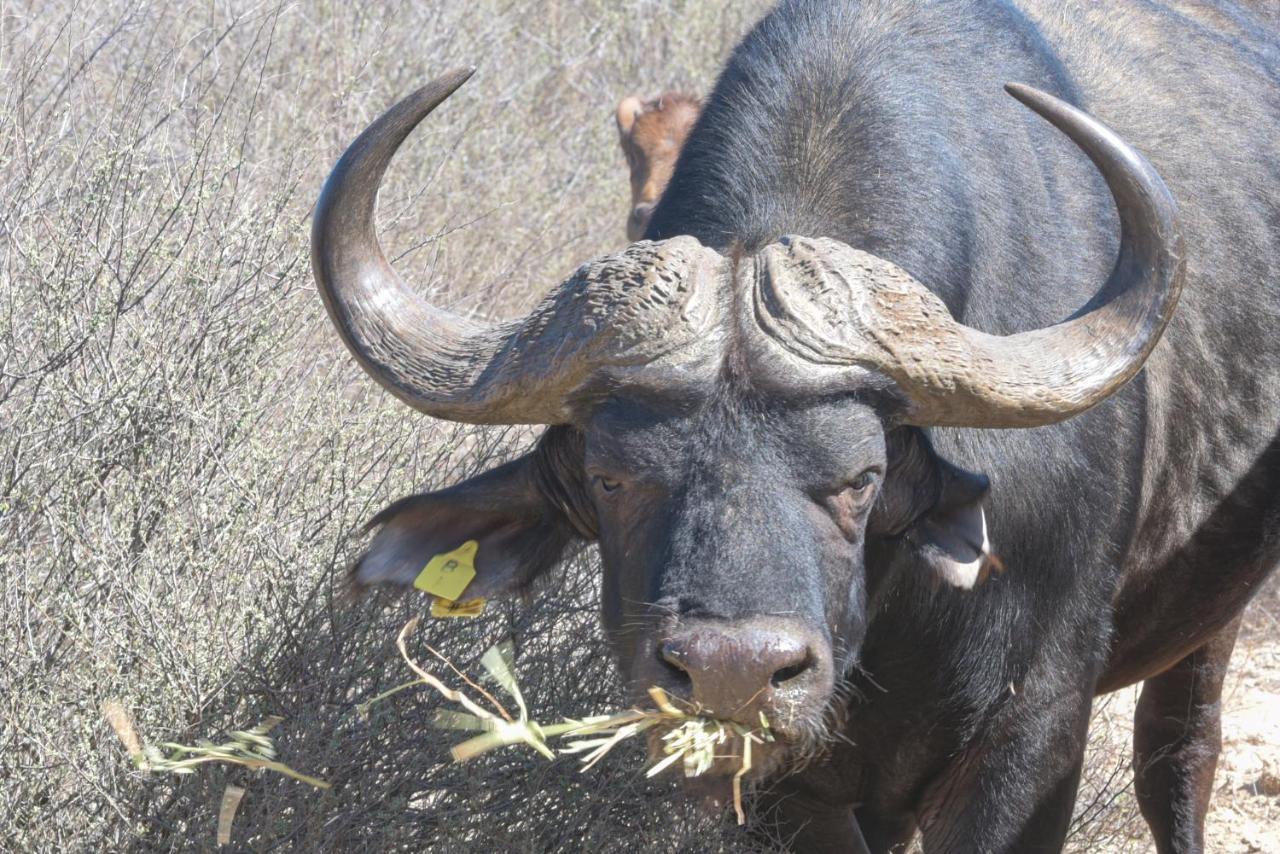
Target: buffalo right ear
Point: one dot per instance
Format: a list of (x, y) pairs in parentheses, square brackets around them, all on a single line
[(936, 509), (951, 538), (517, 534)]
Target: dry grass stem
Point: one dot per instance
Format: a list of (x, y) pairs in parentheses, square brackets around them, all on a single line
[(250, 748), (691, 737)]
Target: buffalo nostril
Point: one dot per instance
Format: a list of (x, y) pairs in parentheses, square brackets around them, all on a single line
[(737, 669), (786, 674)]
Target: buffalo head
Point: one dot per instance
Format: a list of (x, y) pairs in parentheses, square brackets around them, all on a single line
[(739, 433)]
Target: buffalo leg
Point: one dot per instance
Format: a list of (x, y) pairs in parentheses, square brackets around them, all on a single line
[(1177, 734)]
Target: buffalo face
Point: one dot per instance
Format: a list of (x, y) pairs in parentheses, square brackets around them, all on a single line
[(739, 431), (733, 531)]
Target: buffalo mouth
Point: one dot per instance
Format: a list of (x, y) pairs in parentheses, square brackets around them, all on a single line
[(767, 757), (741, 700), (713, 787), (706, 753)]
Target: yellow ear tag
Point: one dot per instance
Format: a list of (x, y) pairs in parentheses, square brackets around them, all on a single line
[(448, 608), (447, 575)]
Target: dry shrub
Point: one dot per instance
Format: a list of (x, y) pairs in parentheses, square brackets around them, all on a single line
[(1106, 816), (186, 450)]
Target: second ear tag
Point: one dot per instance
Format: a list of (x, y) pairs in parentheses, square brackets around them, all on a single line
[(445, 608), (447, 575)]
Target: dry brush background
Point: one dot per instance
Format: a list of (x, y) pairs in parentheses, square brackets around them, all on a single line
[(187, 454)]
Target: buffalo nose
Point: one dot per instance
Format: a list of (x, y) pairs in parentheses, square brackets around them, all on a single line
[(737, 671)]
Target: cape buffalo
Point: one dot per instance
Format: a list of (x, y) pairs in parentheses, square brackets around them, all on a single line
[(782, 415)]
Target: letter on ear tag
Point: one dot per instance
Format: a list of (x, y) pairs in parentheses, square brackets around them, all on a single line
[(447, 575), (447, 608)]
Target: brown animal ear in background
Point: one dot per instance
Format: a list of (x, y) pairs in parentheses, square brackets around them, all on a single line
[(629, 109), (652, 133), (669, 116)]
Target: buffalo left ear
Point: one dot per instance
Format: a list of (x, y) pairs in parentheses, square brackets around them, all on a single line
[(497, 524), (951, 538)]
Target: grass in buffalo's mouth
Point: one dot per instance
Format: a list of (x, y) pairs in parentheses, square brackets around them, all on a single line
[(689, 735), (685, 733)]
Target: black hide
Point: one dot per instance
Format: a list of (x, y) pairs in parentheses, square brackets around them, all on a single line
[(1129, 535)]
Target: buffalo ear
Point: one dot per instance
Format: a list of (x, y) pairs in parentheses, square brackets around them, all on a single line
[(936, 510), (518, 534), (951, 538)]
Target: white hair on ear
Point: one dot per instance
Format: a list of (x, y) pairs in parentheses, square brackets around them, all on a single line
[(966, 575)]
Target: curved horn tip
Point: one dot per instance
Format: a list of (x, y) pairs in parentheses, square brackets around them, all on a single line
[(443, 86), (1020, 90), (1035, 99), (1081, 361), (454, 77)]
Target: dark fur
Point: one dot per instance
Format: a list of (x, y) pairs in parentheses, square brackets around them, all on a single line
[(1133, 534)]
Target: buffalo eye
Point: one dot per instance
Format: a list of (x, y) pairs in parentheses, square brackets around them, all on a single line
[(848, 504), (607, 485), (856, 494), (852, 493), (863, 483)]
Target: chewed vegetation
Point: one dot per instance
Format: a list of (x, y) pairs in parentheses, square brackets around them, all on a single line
[(187, 453)]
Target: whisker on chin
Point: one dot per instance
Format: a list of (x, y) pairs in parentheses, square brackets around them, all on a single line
[(812, 734)]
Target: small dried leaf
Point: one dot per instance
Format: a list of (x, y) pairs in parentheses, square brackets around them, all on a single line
[(499, 662), (122, 722), (231, 797)]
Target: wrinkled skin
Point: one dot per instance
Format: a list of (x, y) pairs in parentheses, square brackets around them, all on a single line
[(792, 555)]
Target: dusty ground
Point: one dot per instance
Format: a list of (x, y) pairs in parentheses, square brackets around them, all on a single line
[(1245, 813), (1246, 807)]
